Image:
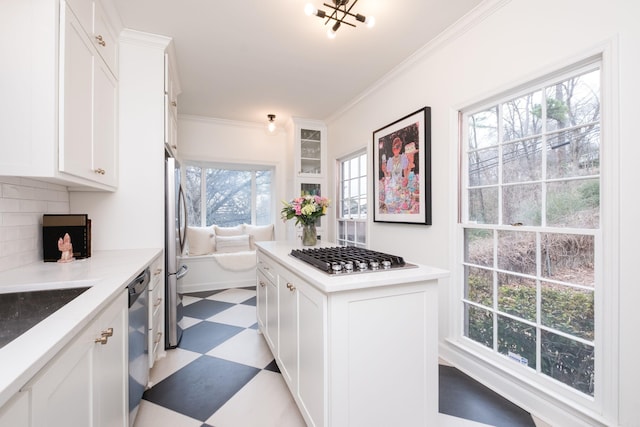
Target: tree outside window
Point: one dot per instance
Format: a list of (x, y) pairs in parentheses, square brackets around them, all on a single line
[(231, 196)]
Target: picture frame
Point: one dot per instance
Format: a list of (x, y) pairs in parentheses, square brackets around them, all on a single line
[(402, 170)]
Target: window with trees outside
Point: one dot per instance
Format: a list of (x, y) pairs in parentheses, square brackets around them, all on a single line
[(352, 200), (228, 195), (530, 224)]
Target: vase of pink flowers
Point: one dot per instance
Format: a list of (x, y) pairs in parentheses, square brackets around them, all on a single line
[(306, 210)]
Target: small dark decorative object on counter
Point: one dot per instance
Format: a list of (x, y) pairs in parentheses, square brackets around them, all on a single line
[(65, 237)]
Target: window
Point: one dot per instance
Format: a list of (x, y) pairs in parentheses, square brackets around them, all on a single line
[(232, 195), (352, 203), (530, 229)]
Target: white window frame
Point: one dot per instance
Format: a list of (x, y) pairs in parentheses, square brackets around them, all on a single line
[(517, 380), (340, 198), (232, 166)]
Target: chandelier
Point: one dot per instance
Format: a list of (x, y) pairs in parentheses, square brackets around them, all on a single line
[(339, 13)]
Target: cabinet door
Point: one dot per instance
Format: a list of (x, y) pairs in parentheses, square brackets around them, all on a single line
[(16, 411), (288, 304), (272, 328), (63, 393), (85, 384), (309, 151), (312, 353), (104, 138), (261, 300), (110, 365), (76, 105)]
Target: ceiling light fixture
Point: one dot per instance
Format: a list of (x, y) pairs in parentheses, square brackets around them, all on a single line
[(271, 125), (339, 14)]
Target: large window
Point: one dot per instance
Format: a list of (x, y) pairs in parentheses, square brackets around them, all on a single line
[(352, 203), (228, 195), (531, 230)]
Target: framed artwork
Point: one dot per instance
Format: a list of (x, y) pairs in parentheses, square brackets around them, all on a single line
[(402, 170)]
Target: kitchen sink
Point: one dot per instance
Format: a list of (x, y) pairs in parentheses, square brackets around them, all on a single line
[(20, 311)]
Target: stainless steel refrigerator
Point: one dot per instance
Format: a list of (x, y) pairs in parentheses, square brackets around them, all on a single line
[(175, 236)]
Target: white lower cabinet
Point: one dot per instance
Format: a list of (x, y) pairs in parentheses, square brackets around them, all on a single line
[(85, 384), (156, 311), (359, 357), (261, 300), (295, 331), (15, 412)]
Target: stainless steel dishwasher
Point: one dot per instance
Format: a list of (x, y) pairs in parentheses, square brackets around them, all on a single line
[(138, 342)]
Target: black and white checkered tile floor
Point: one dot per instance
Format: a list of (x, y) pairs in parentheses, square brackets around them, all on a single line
[(223, 375)]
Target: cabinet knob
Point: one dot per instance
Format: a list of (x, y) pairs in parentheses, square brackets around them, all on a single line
[(101, 41), (158, 271), (158, 302), (261, 283), (174, 104), (102, 340), (100, 171), (108, 332), (291, 287)]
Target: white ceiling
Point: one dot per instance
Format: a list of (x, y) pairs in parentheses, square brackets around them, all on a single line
[(243, 59)]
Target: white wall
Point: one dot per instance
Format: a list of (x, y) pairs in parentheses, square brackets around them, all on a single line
[(133, 216), (225, 141), (521, 40), (22, 203)]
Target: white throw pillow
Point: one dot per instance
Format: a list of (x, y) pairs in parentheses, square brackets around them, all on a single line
[(201, 240), (229, 231), (260, 233), (226, 244)]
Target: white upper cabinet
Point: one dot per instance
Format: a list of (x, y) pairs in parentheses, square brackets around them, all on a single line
[(61, 90), (88, 108), (310, 141)]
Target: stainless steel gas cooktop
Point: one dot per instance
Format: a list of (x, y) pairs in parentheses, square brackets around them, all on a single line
[(349, 259)]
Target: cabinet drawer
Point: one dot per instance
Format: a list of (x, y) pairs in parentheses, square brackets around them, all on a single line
[(267, 268)]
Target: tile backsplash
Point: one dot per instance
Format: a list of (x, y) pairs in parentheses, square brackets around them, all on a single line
[(22, 203)]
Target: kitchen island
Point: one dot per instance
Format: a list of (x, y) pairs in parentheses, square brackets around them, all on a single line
[(63, 339), (355, 349)]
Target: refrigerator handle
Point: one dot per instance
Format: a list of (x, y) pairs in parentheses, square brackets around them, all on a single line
[(182, 271)]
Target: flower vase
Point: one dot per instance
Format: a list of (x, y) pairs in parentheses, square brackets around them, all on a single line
[(309, 235)]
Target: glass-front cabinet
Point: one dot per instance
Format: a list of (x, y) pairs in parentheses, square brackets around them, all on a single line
[(309, 140), (310, 148)]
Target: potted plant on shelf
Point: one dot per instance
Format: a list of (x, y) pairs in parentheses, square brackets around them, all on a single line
[(306, 210)]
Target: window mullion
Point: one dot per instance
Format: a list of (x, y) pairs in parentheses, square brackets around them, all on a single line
[(203, 197)]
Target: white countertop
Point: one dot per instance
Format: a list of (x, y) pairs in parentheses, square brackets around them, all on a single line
[(107, 272), (327, 283)]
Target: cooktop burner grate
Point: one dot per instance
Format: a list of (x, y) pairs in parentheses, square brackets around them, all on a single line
[(349, 259)]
